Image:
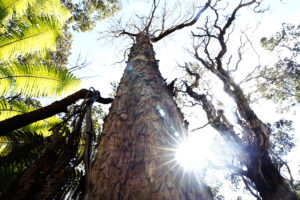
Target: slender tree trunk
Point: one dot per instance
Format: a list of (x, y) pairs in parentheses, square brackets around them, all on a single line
[(132, 161)]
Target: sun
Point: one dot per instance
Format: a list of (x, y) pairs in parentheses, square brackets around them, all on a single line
[(194, 151)]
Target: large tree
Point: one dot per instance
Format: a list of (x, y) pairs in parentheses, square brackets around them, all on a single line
[(143, 121), (133, 160)]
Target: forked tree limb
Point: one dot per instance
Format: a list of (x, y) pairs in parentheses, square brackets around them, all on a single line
[(181, 26), (19, 121)]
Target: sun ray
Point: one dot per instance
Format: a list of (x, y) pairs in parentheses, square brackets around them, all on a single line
[(183, 174), (170, 169), (165, 148), (166, 163), (176, 173)]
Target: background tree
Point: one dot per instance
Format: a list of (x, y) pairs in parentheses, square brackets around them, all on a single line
[(280, 82), (85, 14), (254, 164)]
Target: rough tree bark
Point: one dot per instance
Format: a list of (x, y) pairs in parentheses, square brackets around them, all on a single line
[(132, 162)]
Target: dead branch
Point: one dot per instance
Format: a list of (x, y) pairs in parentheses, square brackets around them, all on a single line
[(196, 75), (181, 26), (201, 127), (230, 87), (215, 118)]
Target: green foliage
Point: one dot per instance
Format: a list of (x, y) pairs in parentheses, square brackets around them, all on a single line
[(282, 140), (36, 80), (52, 8), (24, 9), (87, 13), (63, 50), (114, 86), (22, 148), (42, 21), (98, 114), (14, 8), (287, 37), (281, 82), (296, 188), (29, 35), (33, 36)]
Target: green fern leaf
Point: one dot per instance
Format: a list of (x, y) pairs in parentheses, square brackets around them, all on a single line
[(36, 80), (52, 8), (18, 8), (19, 150), (37, 36)]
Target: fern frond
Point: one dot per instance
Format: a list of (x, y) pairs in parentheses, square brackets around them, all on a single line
[(73, 187), (19, 138), (22, 148), (52, 8), (8, 8), (36, 80), (12, 108), (37, 36), (5, 84)]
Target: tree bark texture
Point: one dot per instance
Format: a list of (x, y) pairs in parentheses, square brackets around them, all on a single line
[(132, 161)]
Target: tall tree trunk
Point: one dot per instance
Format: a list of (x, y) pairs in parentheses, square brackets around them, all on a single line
[(132, 161)]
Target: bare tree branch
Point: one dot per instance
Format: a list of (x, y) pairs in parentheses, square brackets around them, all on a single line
[(201, 127), (19, 121), (181, 26)]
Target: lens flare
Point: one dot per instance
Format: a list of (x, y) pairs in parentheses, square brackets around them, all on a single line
[(194, 151)]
